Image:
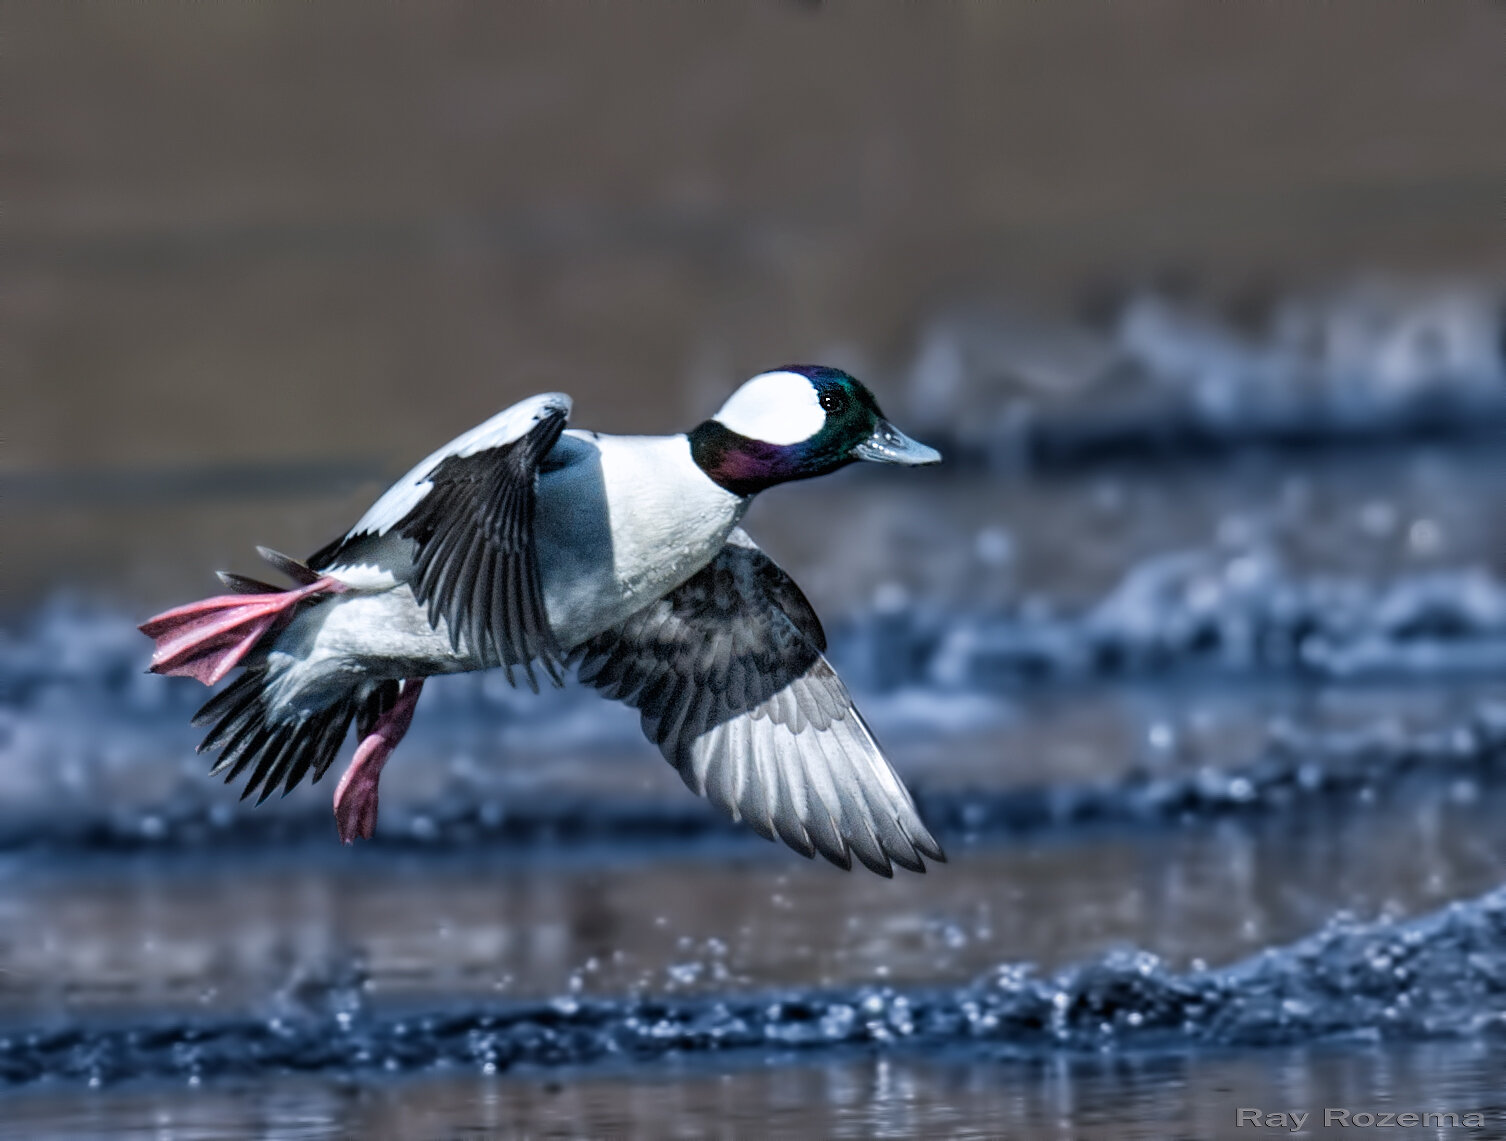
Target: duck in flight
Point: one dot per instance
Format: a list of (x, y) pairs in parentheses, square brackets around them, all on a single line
[(525, 546)]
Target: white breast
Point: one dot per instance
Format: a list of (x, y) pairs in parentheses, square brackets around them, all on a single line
[(620, 522), (626, 520)]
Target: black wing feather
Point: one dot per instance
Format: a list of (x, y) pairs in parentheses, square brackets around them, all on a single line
[(475, 565), (728, 676)]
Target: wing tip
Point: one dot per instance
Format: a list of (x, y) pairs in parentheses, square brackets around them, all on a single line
[(912, 856), (879, 867), (552, 404), (921, 839)]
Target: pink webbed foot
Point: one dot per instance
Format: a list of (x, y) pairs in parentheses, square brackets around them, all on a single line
[(356, 796), (207, 639)]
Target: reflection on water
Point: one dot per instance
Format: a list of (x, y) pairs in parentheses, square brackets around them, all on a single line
[(1065, 1098), (279, 933)]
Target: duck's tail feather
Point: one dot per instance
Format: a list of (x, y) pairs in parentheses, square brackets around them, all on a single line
[(280, 752), (243, 584), (296, 569)]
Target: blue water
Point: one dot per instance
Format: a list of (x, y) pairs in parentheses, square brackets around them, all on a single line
[(1205, 702)]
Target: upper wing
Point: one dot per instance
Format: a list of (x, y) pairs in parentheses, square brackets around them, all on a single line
[(728, 673), (468, 510)]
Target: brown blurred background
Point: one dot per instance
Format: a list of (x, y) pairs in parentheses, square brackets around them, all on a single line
[(272, 234)]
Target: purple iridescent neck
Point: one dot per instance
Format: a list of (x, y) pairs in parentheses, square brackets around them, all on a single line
[(746, 466)]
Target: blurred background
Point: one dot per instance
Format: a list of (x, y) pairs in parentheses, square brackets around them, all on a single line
[(1193, 651)]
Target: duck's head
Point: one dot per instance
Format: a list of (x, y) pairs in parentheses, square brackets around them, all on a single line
[(795, 422)]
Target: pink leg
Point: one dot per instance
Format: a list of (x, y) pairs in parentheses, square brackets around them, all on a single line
[(207, 639), (356, 798)]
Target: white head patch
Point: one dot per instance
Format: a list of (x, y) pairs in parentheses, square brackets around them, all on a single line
[(776, 407)]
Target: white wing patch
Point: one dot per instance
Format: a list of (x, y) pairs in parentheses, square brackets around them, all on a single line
[(506, 426), (776, 407)]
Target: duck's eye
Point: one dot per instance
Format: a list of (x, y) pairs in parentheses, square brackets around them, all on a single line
[(833, 401)]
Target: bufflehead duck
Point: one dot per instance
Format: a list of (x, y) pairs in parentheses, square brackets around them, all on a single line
[(526, 546)]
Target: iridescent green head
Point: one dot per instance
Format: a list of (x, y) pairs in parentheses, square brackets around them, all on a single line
[(797, 422)]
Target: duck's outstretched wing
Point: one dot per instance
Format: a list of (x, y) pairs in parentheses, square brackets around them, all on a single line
[(728, 673), (468, 510)]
